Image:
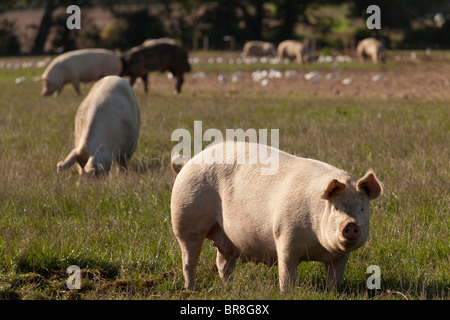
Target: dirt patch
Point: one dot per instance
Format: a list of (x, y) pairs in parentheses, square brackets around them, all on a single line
[(428, 80)]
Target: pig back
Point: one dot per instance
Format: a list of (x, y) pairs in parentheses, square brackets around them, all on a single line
[(84, 65), (108, 118), (159, 56), (94, 64)]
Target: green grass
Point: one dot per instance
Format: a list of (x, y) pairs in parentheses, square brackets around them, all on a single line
[(118, 231)]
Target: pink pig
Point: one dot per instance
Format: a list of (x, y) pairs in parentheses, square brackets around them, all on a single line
[(307, 211)]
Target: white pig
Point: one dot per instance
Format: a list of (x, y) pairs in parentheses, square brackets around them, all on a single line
[(307, 211), (77, 66), (293, 50), (106, 128), (372, 49)]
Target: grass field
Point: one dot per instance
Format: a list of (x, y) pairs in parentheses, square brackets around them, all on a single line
[(117, 229)]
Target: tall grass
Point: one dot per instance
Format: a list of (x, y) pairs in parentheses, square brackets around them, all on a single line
[(117, 229)]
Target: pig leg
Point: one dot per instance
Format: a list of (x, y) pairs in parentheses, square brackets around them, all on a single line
[(287, 265), (68, 161), (225, 265), (132, 80), (335, 270), (374, 58), (90, 168), (98, 163), (123, 161), (145, 80), (76, 85), (287, 272), (180, 81), (190, 253), (79, 169), (226, 258)]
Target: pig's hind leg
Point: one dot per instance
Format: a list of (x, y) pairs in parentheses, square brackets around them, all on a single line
[(68, 161), (190, 253), (226, 257)]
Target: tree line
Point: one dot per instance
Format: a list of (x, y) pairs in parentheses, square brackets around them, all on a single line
[(223, 24)]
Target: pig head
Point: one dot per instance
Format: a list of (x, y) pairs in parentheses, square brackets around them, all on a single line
[(306, 211)]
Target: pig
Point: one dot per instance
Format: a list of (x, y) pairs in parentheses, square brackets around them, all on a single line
[(159, 56), (305, 211), (259, 49), (293, 50), (77, 66), (371, 48), (106, 128), (151, 41)]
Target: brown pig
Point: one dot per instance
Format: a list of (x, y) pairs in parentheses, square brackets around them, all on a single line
[(156, 56), (306, 210)]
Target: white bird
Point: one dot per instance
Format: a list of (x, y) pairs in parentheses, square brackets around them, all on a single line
[(330, 76), (20, 80), (311, 75), (290, 73), (376, 78), (275, 74), (199, 75), (347, 81), (222, 78), (235, 76), (257, 75)]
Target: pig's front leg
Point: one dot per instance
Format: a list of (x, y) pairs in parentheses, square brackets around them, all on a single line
[(287, 268), (334, 271)]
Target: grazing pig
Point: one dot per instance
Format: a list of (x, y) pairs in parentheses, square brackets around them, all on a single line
[(259, 49), (371, 48), (306, 211), (77, 66), (106, 128), (293, 50), (159, 56)]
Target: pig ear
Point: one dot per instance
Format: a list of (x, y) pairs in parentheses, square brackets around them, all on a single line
[(370, 186), (334, 188)]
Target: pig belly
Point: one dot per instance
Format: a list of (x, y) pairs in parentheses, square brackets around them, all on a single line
[(248, 240)]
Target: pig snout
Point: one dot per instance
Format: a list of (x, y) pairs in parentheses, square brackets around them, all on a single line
[(351, 232)]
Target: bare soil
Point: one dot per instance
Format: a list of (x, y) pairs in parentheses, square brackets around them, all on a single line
[(425, 80)]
